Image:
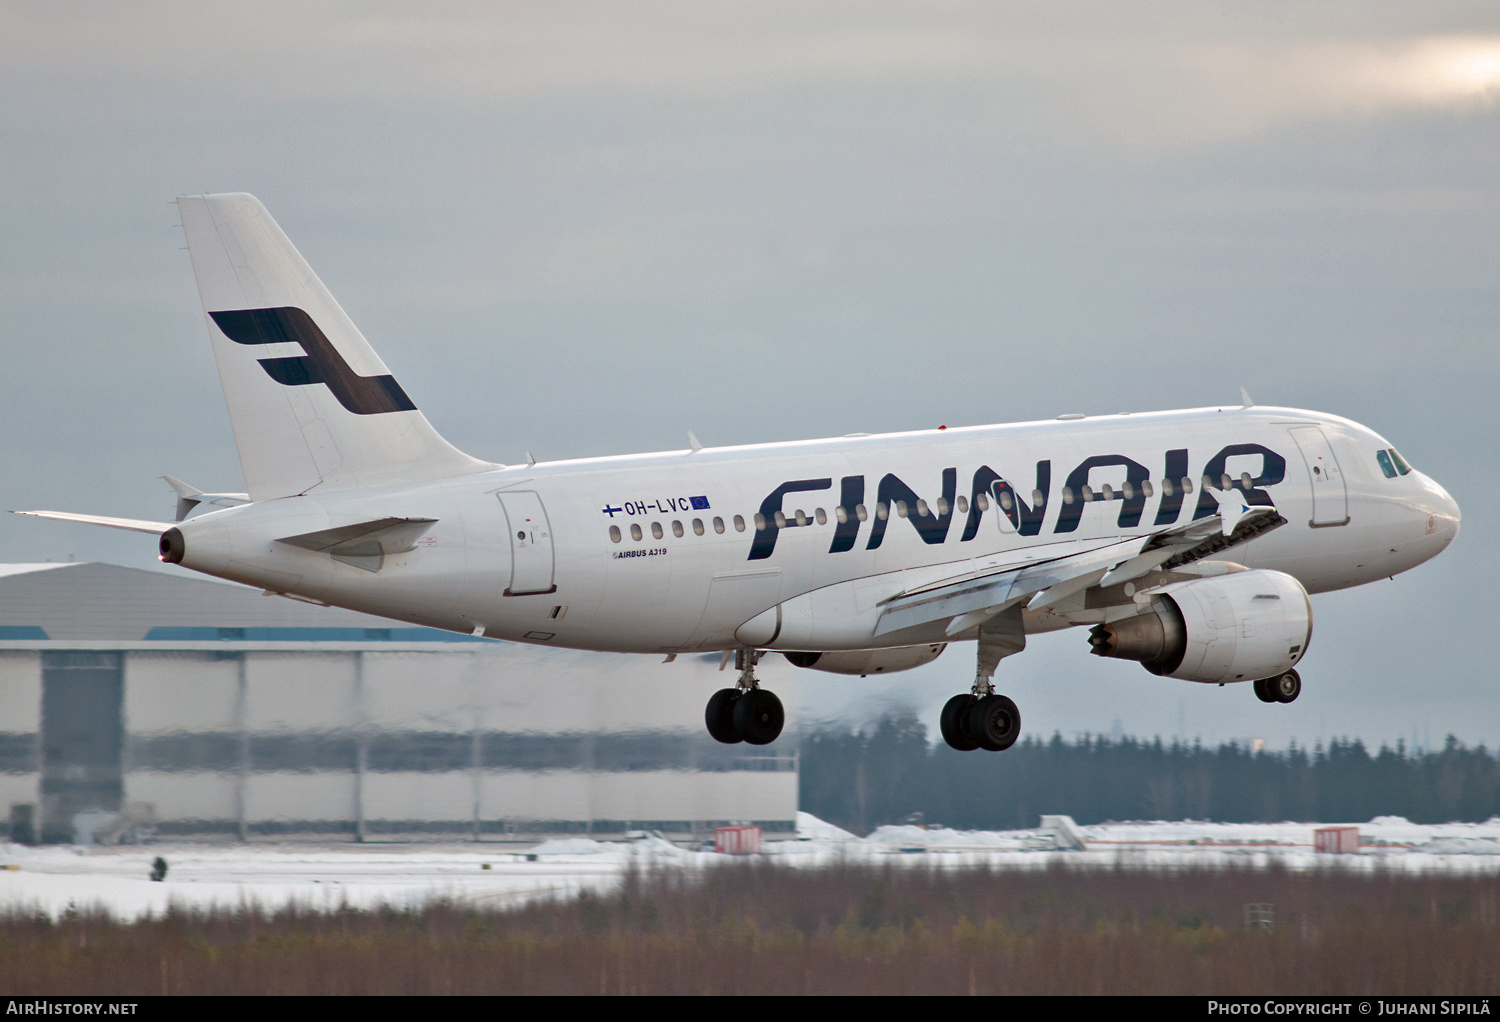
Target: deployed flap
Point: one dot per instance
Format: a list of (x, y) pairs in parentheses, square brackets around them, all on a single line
[(973, 599), (996, 588), (364, 544), (310, 402)]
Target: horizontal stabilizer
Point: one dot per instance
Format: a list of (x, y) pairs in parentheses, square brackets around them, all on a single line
[(364, 544), (189, 497), (133, 524)]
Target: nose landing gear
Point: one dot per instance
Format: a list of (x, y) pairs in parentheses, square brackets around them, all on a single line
[(746, 713), (1284, 688)]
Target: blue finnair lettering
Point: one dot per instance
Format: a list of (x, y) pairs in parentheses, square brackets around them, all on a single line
[(1024, 510), (1272, 471)]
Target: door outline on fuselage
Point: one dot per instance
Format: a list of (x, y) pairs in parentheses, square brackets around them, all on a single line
[(1330, 494), (533, 561)]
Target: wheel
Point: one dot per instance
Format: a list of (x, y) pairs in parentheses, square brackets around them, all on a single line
[(758, 716), (951, 723), (1286, 687), (1263, 690), (994, 722), (720, 716)]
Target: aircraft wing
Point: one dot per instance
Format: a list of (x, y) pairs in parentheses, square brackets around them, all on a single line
[(974, 598)]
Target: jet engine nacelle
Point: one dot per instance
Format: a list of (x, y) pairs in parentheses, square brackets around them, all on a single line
[(1239, 627), (869, 661)]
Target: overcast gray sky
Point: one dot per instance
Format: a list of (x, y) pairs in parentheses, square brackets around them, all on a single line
[(586, 228)]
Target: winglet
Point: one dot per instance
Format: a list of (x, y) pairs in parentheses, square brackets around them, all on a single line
[(693, 442), (1245, 397)]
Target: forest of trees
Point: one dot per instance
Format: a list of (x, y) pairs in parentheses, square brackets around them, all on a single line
[(890, 773)]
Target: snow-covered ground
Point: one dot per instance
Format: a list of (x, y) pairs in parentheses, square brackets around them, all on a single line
[(116, 879)]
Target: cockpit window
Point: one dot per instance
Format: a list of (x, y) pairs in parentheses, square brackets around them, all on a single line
[(1401, 465), (1385, 464)]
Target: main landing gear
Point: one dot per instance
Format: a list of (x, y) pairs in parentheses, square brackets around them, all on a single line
[(1284, 688), (746, 713), (982, 718)]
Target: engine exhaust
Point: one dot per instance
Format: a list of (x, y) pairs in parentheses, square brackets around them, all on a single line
[(1157, 638)]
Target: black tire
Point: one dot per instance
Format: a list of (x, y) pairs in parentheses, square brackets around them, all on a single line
[(720, 716), (951, 723), (994, 722), (758, 716), (1286, 687), (1263, 690)]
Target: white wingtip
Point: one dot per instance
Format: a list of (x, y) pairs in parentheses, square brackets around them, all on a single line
[(1245, 397), (693, 442)]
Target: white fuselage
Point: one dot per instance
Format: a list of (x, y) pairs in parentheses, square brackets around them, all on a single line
[(556, 576)]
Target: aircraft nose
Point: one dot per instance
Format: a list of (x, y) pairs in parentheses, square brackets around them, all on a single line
[(1442, 514)]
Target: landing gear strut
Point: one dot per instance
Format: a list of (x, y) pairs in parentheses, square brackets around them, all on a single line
[(1284, 688), (982, 718), (747, 712)]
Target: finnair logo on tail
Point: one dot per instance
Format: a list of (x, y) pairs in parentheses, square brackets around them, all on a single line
[(362, 395)]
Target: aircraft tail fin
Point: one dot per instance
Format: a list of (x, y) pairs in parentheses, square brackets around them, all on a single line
[(310, 402)]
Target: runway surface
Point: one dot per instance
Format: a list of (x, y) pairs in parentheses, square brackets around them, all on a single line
[(56, 879)]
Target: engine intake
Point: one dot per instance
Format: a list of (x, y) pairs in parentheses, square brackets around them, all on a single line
[(1248, 625)]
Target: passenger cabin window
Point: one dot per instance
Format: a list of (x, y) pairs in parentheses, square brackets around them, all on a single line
[(635, 532), (719, 525), (963, 505), (1401, 465), (860, 512), (698, 527), (677, 529), (614, 534), (821, 516), (840, 515), (656, 530), (739, 523)]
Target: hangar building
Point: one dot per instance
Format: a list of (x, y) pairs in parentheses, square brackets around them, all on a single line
[(137, 702)]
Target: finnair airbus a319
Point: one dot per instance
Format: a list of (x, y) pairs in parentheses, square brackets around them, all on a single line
[(1185, 540)]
